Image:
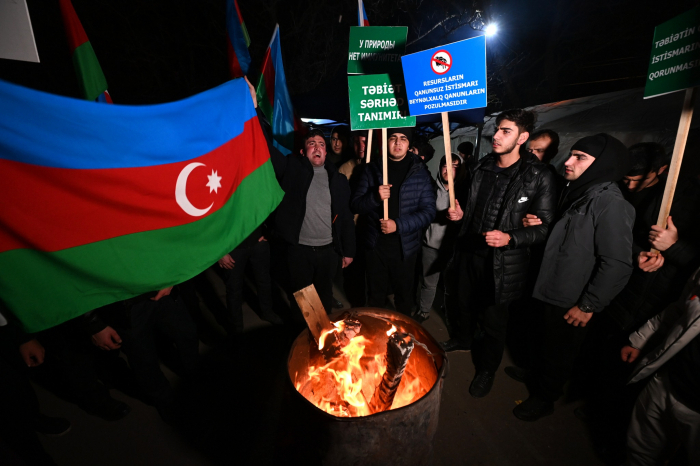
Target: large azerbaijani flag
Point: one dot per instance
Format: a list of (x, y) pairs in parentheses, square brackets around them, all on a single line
[(238, 41), (105, 202), (93, 83), (273, 96)]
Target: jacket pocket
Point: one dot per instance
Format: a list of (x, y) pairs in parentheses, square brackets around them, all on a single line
[(567, 233)]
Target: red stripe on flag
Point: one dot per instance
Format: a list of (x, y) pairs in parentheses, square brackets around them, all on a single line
[(50, 209), (268, 73), (233, 63), (74, 29)]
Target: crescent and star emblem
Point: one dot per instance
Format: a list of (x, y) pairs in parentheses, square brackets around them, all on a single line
[(181, 186)]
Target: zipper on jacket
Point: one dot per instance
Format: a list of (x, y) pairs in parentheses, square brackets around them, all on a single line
[(566, 233)]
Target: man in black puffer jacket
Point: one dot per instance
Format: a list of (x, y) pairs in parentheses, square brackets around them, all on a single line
[(392, 245), (491, 262), (587, 262)]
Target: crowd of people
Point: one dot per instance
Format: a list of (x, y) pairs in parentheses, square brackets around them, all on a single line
[(556, 265)]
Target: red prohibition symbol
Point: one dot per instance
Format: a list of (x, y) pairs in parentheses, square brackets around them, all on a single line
[(441, 62)]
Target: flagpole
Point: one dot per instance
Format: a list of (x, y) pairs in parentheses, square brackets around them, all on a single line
[(360, 12), (277, 27)]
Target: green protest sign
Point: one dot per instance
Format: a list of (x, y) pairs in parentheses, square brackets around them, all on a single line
[(675, 55), (376, 49), (378, 101)]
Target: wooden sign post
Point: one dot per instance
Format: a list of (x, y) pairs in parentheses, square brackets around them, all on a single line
[(678, 150), (385, 172), (368, 146), (448, 157)]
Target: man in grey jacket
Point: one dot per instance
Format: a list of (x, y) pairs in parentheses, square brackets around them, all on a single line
[(668, 410), (587, 261)]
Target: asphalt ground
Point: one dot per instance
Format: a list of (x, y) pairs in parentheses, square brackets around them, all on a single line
[(234, 413)]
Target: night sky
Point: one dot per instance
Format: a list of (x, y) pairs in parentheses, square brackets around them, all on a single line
[(160, 51)]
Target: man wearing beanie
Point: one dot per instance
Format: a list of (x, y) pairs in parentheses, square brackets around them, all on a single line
[(491, 261), (587, 262), (392, 245)]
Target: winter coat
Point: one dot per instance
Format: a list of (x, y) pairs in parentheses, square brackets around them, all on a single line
[(647, 292), (295, 173), (588, 256), (531, 190), (672, 328), (416, 205)]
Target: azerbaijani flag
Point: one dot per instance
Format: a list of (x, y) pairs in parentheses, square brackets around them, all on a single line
[(238, 41), (105, 202), (273, 96), (90, 76), (361, 14)]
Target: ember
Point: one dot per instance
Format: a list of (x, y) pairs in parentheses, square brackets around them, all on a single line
[(346, 374)]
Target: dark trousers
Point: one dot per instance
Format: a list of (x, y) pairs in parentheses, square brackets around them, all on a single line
[(19, 406), (313, 265), (71, 363), (258, 256), (470, 299), (559, 345), (354, 281), (385, 270), (168, 316)]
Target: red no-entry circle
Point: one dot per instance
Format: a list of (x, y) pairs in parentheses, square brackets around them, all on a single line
[(441, 62)]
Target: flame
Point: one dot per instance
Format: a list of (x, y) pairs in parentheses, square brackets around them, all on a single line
[(345, 384), (339, 327)]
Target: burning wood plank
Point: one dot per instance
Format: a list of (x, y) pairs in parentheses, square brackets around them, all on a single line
[(398, 350), (313, 312)]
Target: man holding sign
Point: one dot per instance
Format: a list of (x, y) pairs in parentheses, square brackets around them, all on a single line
[(491, 262), (392, 244)]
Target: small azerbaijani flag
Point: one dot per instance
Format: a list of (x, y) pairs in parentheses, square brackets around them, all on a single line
[(273, 96), (238, 41), (105, 202), (90, 76), (361, 14)]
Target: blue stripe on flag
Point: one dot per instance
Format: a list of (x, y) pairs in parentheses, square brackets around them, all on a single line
[(36, 127)]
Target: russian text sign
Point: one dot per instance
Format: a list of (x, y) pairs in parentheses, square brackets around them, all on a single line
[(375, 49), (377, 101), (446, 78), (675, 55)]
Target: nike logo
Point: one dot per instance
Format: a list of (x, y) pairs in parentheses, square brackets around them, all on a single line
[(522, 199)]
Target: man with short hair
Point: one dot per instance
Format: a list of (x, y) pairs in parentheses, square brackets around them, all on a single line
[(587, 261), (544, 144), (466, 151), (338, 154), (491, 255), (314, 217), (392, 245)]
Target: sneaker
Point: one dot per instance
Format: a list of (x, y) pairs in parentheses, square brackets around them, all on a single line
[(517, 373), (454, 345), (421, 317), (47, 425), (533, 409), (481, 385)]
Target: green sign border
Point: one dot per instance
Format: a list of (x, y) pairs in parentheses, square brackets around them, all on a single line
[(674, 64), (378, 88), (378, 58)]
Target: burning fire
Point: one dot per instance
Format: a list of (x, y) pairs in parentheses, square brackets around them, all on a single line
[(345, 384)]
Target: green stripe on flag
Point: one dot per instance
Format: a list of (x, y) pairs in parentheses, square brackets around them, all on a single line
[(90, 76), (46, 289), (264, 100)]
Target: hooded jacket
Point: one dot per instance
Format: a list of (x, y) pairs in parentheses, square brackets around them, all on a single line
[(588, 256), (671, 329)]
